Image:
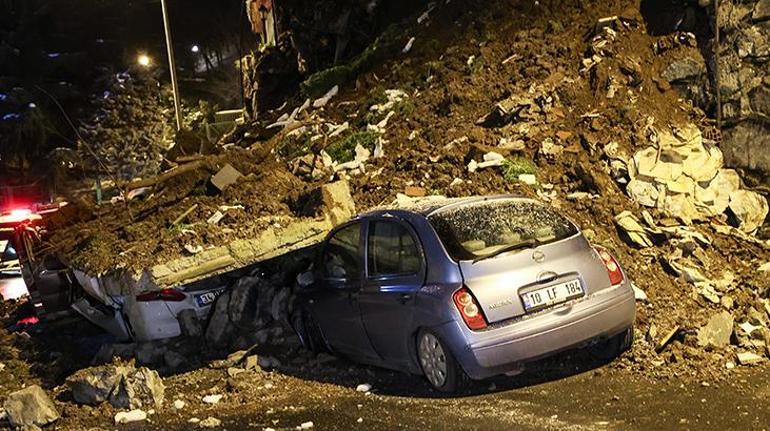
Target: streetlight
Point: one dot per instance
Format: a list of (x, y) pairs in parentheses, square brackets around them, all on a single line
[(143, 60), (172, 68)]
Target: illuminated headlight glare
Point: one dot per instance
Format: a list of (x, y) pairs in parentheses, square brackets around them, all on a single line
[(471, 310), (465, 299)]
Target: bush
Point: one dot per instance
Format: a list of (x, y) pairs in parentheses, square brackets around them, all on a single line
[(345, 150), (516, 166)]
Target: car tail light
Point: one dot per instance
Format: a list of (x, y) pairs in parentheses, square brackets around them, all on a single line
[(469, 309), (170, 295), (613, 268)]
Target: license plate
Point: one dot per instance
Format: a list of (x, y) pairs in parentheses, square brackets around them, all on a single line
[(207, 298), (551, 295)]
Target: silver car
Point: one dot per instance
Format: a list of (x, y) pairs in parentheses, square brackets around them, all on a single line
[(471, 287)]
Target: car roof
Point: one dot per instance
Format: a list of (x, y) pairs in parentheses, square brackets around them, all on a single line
[(433, 204)]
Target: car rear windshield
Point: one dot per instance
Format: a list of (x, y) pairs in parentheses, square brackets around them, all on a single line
[(480, 229)]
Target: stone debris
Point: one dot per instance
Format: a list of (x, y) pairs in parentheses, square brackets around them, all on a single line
[(123, 386), (30, 407), (179, 404), (682, 175), (212, 399), (663, 342), (210, 422), (364, 387), (128, 417), (225, 177), (749, 358), (490, 159), (305, 426), (323, 100), (716, 333)]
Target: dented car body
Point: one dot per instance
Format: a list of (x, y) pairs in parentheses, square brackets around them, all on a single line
[(470, 287)]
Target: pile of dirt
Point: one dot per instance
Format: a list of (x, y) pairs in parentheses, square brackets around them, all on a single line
[(514, 97), (173, 218), (511, 90)]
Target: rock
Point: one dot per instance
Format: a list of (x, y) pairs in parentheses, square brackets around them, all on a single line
[(666, 339), (750, 208), (761, 11), (219, 330), (643, 192), (716, 333), (268, 362), (189, 323), (748, 358), (212, 399), (225, 177), (306, 425), (210, 422), (179, 404), (130, 416), (123, 386), (323, 100), (251, 363), (336, 197), (529, 179), (414, 192), (140, 388), (684, 69), (635, 231), (639, 294), (233, 371), (364, 387), (30, 407)]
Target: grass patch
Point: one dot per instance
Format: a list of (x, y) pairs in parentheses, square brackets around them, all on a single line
[(294, 146), (345, 150), (516, 166)]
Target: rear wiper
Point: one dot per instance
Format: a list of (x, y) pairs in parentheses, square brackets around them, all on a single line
[(525, 244)]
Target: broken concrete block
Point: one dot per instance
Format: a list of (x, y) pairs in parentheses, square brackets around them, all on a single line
[(716, 333), (336, 197), (30, 407), (189, 323), (750, 208), (225, 177), (219, 328), (748, 358)]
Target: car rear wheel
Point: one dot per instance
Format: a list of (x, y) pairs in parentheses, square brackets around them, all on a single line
[(438, 365), (613, 346)]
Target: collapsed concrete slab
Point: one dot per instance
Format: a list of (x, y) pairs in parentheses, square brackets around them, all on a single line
[(284, 234)]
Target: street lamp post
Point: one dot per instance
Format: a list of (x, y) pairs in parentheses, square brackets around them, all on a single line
[(171, 64)]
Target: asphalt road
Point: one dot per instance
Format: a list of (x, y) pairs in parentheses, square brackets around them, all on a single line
[(587, 401)]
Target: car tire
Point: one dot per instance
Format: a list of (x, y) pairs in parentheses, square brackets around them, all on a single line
[(308, 331), (438, 365), (612, 347)]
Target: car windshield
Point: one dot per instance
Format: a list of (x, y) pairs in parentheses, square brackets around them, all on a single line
[(481, 229)]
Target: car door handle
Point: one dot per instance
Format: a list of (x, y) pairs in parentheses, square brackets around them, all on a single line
[(404, 298)]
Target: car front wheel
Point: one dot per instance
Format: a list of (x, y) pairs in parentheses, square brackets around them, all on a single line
[(438, 365)]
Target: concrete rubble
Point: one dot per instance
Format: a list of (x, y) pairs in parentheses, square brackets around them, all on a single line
[(122, 385), (30, 407)]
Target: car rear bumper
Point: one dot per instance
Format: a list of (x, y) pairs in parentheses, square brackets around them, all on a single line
[(505, 346)]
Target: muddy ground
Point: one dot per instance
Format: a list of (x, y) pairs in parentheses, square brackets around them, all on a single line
[(570, 391)]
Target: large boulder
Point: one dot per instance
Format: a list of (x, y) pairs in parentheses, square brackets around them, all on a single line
[(750, 208), (716, 333), (30, 407)]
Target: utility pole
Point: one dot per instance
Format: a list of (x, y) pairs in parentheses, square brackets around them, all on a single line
[(171, 65), (716, 64)]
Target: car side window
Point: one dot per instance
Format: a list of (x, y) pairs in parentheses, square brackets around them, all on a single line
[(392, 250), (341, 257)]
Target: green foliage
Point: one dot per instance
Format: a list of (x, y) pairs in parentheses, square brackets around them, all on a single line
[(294, 146), (344, 150), (382, 48), (516, 166)]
